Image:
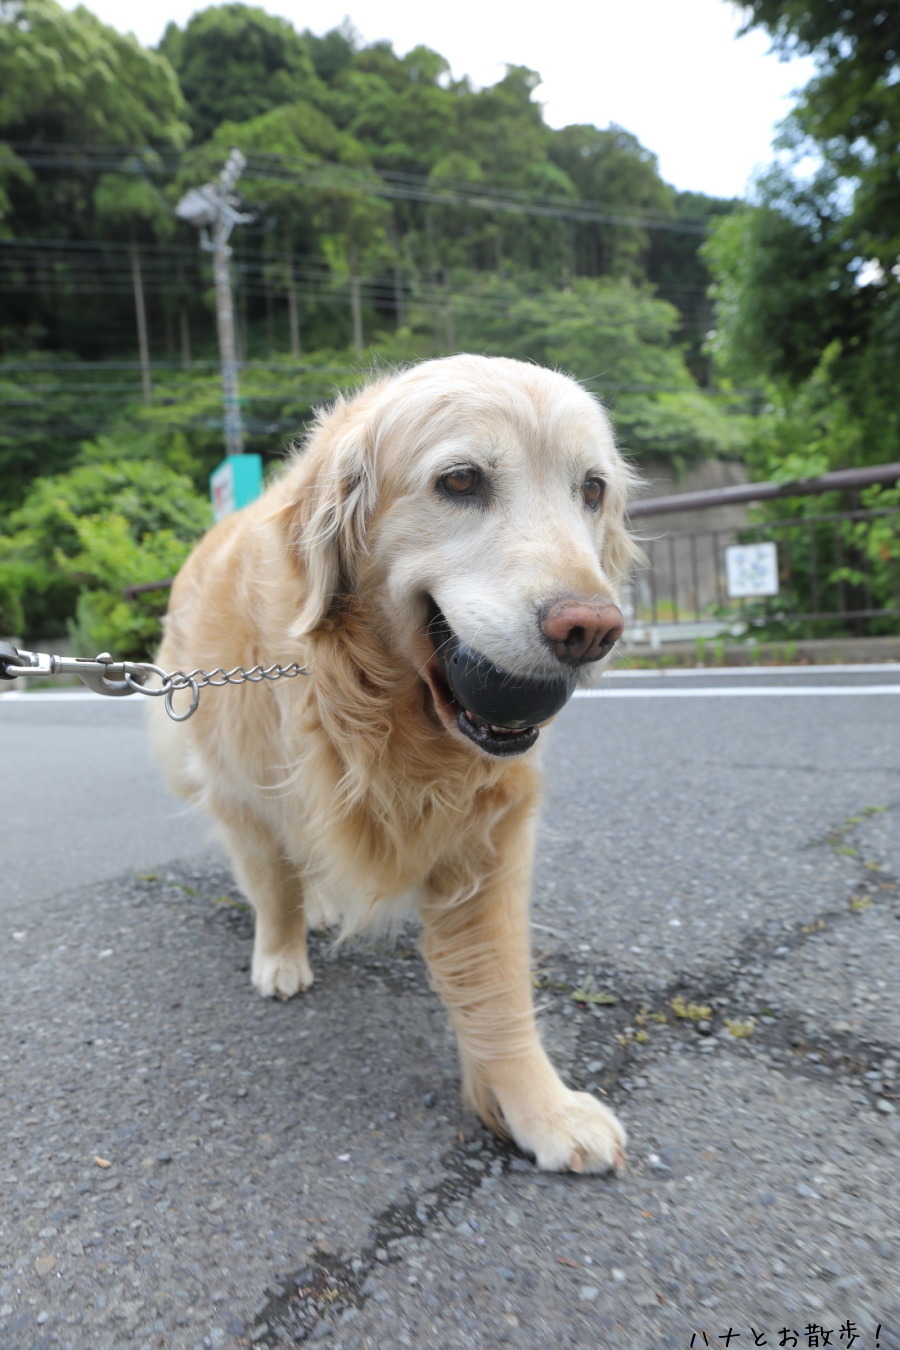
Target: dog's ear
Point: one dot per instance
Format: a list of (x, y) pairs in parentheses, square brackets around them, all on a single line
[(621, 551), (331, 522)]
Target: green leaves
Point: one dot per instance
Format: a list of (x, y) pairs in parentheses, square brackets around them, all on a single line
[(618, 339), (396, 213), (67, 77), (806, 281), (91, 532), (236, 62)]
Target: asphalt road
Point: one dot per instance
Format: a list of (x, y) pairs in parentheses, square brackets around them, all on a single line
[(717, 924)]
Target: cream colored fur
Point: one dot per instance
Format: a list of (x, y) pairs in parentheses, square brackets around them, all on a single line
[(341, 795)]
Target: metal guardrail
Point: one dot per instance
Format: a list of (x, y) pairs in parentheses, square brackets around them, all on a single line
[(741, 493), (824, 571), (144, 587)]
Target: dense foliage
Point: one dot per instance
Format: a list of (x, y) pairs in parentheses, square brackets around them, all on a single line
[(807, 280), (399, 213), (79, 534)]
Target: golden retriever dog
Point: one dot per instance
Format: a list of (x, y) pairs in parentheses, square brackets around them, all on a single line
[(443, 556)]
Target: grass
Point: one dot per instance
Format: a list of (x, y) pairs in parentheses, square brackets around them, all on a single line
[(691, 1012), (586, 993)]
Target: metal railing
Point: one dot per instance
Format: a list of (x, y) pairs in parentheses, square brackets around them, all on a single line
[(824, 570)]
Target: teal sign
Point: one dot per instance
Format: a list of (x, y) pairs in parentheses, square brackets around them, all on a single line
[(235, 483)]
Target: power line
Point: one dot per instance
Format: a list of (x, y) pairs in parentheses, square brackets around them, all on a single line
[(337, 178), (315, 285), (287, 394)]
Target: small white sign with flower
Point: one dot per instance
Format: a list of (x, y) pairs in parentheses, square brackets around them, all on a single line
[(751, 569)]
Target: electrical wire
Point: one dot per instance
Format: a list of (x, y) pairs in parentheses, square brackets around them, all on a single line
[(336, 178)]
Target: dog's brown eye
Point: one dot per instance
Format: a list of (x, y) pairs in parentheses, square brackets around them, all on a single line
[(461, 482), (592, 490)]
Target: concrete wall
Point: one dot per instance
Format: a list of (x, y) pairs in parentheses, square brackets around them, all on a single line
[(687, 574)]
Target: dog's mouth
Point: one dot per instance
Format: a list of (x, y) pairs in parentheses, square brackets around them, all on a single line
[(499, 712)]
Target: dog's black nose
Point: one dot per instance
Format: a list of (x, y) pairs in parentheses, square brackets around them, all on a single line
[(581, 630)]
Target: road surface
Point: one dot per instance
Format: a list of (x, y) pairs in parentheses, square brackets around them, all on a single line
[(716, 925)]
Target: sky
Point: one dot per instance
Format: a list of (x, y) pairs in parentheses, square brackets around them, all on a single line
[(672, 72)]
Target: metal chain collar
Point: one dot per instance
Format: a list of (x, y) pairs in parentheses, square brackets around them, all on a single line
[(103, 675)]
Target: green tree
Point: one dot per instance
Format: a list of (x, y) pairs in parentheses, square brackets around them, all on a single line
[(333, 52), (679, 272), (396, 107), (283, 145), (782, 288), (236, 62), (850, 112), (806, 280), (70, 89), (129, 201), (613, 168), (66, 77), (807, 293), (97, 529), (48, 407), (616, 338)]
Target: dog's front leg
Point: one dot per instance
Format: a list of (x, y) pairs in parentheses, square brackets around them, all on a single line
[(478, 952), (280, 966)]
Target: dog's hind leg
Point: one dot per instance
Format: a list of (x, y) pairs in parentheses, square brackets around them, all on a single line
[(478, 953), (271, 883)]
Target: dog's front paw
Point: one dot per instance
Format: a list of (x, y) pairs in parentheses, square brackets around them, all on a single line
[(576, 1133), (281, 974)]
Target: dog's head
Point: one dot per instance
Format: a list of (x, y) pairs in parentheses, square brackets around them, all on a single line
[(474, 508)]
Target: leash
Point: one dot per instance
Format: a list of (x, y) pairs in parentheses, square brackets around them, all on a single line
[(118, 679)]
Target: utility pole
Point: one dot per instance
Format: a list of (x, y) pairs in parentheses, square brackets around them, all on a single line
[(213, 210)]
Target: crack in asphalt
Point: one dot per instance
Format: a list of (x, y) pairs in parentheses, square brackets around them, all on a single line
[(330, 1285), (622, 1032)]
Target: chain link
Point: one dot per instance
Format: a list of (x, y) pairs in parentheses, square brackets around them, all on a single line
[(105, 676), (201, 679)]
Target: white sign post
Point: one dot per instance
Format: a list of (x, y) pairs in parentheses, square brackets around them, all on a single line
[(751, 569)]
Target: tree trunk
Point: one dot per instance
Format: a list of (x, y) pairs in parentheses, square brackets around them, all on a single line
[(141, 316), (433, 282), (184, 325), (449, 316), (399, 294), (270, 322), (183, 320), (356, 301), (399, 298), (293, 313)]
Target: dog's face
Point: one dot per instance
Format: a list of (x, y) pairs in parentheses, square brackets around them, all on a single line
[(477, 507)]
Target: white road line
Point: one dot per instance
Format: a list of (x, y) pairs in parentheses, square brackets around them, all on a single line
[(686, 672), (747, 691), (606, 690), (61, 696)]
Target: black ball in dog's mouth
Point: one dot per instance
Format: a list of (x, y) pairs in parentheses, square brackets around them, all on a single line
[(498, 711)]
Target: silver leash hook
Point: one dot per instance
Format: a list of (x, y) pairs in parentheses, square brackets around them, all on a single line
[(101, 682), (103, 675)]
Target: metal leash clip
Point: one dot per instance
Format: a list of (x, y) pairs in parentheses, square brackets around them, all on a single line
[(103, 675)]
